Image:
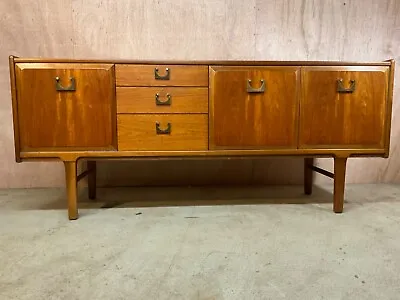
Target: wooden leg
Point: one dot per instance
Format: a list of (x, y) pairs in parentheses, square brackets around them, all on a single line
[(308, 175), (339, 183), (91, 165), (71, 182)]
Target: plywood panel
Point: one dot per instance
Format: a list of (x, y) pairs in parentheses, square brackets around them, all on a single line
[(188, 172), (169, 29), (192, 29), (326, 30)]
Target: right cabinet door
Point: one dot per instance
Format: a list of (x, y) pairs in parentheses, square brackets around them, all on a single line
[(343, 107)]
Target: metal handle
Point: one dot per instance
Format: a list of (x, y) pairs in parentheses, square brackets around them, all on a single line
[(342, 89), (166, 102), (71, 87), (250, 89), (159, 77), (163, 131)]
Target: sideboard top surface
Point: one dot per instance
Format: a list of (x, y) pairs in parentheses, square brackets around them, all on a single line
[(206, 62)]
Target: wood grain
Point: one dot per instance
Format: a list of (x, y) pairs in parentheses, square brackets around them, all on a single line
[(308, 175), (71, 187), (332, 119), (81, 118), (240, 119), (234, 62), (326, 30), (138, 153), (339, 183), (92, 169), (389, 110), (17, 146), (142, 100), (144, 75), (138, 132), (166, 29), (207, 172)]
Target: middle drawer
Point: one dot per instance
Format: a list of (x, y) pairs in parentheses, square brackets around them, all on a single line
[(162, 100)]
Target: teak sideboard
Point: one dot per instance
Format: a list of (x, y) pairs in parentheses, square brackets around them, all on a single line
[(101, 109)]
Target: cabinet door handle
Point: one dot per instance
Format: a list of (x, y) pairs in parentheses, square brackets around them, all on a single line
[(163, 131), (166, 102), (261, 89), (71, 87), (157, 76), (342, 89)]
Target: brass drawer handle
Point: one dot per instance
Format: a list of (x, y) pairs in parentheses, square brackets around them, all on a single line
[(166, 102), (261, 89), (159, 77), (163, 131), (71, 87), (342, 89)]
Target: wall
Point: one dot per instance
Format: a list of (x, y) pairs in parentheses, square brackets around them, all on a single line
[(361, 30)]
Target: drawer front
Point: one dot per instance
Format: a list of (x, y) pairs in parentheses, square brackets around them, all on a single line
[(162, 100), (161, 75), (66, 105), (343, 107), (254, 107), (162, 132)]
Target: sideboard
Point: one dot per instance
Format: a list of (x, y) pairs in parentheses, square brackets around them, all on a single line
[(70, 109)]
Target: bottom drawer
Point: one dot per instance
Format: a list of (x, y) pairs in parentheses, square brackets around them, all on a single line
[(162, 132)]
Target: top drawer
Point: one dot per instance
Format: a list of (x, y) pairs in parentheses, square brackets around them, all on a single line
[(161, 75)]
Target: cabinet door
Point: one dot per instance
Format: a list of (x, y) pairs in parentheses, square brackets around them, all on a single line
[(64, 105), (253, 107), (343, 107)]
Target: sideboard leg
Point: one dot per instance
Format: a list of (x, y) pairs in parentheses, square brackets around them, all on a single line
[(308, 175), (339, 183), (71, 183), (91, 165)]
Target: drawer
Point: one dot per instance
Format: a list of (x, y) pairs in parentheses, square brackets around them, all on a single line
[(161, 75), (162, 132), (162, 100)]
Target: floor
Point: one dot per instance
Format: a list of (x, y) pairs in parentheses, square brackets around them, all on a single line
[(201, 243)]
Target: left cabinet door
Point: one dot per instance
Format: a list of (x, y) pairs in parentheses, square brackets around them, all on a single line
[(66, 106)]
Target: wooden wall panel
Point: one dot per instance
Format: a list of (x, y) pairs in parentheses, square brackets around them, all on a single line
[(192, 29), (168, 29)]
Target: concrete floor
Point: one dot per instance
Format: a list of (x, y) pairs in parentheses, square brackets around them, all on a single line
[(201, 243)]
